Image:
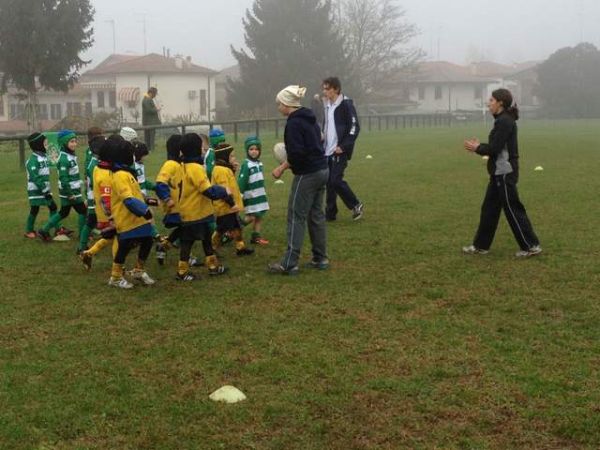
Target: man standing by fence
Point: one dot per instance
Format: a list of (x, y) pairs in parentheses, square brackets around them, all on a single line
[(340, 132), (150, 116)]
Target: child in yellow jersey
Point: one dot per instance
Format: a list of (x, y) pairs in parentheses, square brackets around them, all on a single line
[(228, 220), (168, 183), (196, 209), (131, 216), (101, 184)]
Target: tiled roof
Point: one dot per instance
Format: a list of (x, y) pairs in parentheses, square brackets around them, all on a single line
[(152, 63)]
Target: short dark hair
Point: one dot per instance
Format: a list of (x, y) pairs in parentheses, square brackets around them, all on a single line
[(152, 90), (333, 82), (93, 132)]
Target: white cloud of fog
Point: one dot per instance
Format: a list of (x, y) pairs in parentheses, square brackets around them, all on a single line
[(503, 30)]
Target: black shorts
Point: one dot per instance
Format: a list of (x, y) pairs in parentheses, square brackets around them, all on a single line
[(228, 222), (199, 231)]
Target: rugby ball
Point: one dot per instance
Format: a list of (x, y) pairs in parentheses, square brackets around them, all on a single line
[(280, 153)]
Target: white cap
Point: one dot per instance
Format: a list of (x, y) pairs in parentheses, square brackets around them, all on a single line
[(129, 134)]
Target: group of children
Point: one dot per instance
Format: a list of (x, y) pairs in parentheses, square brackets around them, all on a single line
[(201, 188)]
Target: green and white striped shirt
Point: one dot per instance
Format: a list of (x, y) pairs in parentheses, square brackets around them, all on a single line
[(38, 177), (251, 181)]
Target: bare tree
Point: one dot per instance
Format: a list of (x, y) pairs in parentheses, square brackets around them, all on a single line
[(376, 37)]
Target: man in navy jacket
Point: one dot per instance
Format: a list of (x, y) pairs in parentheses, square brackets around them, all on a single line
[(340, 132)]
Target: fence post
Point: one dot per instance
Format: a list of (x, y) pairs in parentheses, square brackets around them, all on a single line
[(395, 122), (276, 128), (21, 154), (257, 128), (369, 123), (235, 131), (182, 129), (379, 123)]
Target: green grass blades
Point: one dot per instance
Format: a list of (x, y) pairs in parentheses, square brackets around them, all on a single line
[(404, 343)]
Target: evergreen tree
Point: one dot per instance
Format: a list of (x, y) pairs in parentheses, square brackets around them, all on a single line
[(569, 82), (40, 44), (288, 42)]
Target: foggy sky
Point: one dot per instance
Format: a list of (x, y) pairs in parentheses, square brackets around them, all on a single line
[(503, 30)]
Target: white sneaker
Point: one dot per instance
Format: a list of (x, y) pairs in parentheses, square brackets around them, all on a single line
[(472, 250), (533, 251), (357, 211), (142, 276), (120, 283)]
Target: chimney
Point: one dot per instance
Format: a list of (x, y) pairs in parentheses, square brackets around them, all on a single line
[(179, 61), (188, 62)]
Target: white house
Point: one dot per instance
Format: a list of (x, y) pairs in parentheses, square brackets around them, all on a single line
[(185, 91)]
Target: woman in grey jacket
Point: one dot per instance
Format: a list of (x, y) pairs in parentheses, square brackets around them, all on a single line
[(503, 168)]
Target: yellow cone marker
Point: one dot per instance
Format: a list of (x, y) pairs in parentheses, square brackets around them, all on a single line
[(227, 394)]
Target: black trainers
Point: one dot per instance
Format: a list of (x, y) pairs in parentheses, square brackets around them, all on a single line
[(188, 276), (357, 211), (218, 270), (86, 260), (43, 235), (277, 268), (244, 251)]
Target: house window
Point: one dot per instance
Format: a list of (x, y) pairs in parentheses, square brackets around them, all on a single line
[(478, 93), (42, 112), (112, 99), (1, 106), (73, 109), (17, 112), (100, 99), (421, 92), (56, 111), (202, 102), (438, 92)]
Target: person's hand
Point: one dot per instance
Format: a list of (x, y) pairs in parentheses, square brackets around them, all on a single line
[(472, 144), (234, 209), (170, 203), (277, 172), (48, 196), (338, 150)]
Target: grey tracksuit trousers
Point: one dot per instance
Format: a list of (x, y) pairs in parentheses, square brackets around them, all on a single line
[(305, 204)]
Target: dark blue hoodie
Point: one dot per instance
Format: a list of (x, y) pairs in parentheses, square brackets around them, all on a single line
[(303, 145)]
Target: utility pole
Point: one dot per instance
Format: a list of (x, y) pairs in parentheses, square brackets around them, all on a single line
[(143, 21), (112, 22)]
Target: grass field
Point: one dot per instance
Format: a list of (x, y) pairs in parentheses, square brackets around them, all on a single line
[(403, 344)]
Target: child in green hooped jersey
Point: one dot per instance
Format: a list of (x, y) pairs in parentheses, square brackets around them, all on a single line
[(215, 137), (69, 185), (38, 182), (251, 181)]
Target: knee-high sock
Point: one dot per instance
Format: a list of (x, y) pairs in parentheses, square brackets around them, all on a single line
[(84, 236), (102, 243), (183, 267), (30, 223), (117, 271), (239, 239), (216, 239), (53, 222)]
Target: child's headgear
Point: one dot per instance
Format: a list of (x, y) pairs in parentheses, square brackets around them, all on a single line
[(64, 136), (216, 137), (110, 148), (123, 155), (222, 152), (191, 147), (129, 134), (36, 142), (250, 141), (174, 147), (140, 150), (95, 143)]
